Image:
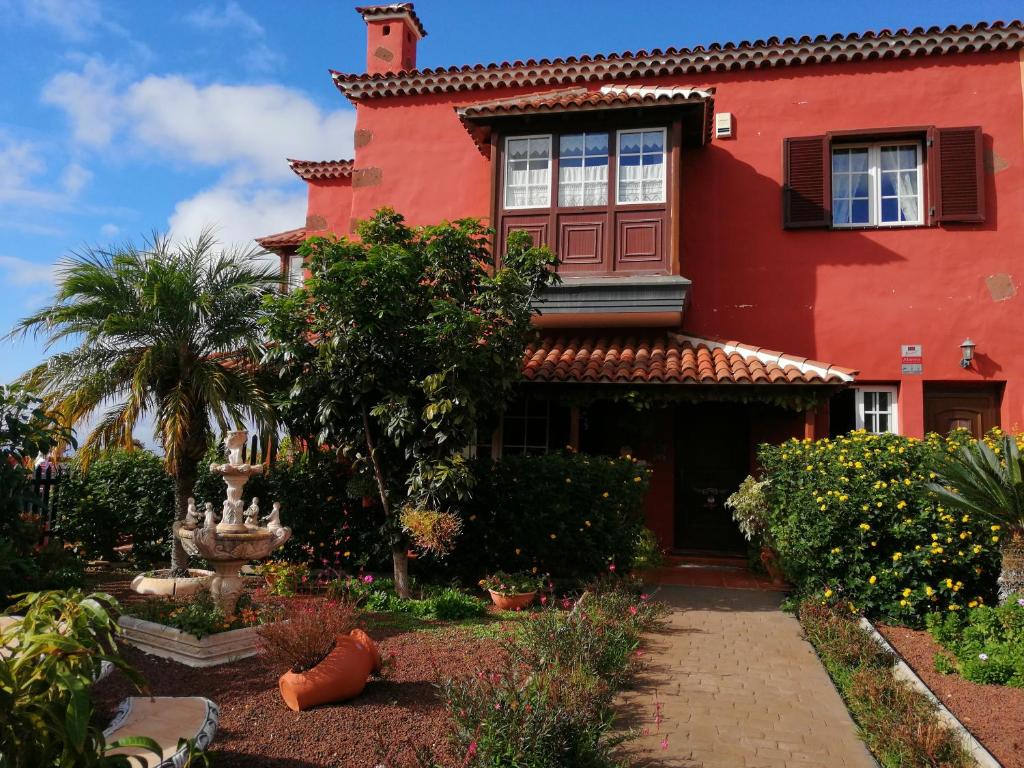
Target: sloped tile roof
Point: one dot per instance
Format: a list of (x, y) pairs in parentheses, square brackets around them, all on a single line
[(580, 98), (291, 237), (393, 9), (658, 357), (759, 54), (321, 169)]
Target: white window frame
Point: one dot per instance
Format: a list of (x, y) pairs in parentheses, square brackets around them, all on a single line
[(861, 416), (505, 172), (875, 183), (293, 277), (583, 159), (664, 163)]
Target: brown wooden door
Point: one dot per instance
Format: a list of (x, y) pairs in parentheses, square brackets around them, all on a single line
[(976, 410)]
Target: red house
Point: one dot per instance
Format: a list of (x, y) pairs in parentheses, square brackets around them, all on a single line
[(757, 240)]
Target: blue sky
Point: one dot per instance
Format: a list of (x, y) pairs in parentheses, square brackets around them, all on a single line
[(123, 117)]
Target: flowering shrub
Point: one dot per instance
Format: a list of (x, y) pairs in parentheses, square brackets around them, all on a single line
[(570, 515), (852, 518), (199, 615), (512, 583), (988, 643), (284, 579), (551, 702), (308, 635)]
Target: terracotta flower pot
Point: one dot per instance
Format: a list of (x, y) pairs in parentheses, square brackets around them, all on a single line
[(339, 677), (770, 561), (512, 602)]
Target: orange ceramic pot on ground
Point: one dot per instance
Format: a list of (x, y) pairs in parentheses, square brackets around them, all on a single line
[(511, 602), (339, 677)]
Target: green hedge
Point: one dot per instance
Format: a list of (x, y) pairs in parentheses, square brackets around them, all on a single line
[(851, 517), (571, 515), (987, 642), (124, 493)]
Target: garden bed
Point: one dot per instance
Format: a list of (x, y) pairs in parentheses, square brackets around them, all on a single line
[(991, 712), (257, 729)]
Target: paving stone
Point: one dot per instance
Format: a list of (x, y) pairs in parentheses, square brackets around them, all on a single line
[(738, 688)]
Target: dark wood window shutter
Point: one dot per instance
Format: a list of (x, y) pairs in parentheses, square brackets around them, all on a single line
[(958, 173), (807, 184)]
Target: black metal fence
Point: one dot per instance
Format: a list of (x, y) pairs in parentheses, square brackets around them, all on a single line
[(46, 484)]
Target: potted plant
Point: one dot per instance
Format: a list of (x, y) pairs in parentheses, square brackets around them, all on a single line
[(750, 511), (326, 659), (512, 591)]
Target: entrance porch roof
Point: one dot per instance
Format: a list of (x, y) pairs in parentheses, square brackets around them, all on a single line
[(668, 357)]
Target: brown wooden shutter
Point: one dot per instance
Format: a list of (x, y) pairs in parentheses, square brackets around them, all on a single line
[(807, 185), (958, 174)]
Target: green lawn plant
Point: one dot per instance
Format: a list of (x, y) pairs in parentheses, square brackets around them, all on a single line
[(987, 642), (427, 602), (855, 517), (170, 329), (46, 710), (985, 478), (396, 347)]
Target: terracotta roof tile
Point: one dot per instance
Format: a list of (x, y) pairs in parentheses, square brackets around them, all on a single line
[(393, 9), (321, 169), (773, 52), (667, 358), (291, 237)]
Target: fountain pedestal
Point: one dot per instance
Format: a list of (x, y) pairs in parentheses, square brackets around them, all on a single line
[(230, 543)]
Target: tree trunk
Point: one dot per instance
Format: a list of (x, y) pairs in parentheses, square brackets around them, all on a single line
[(399, 556), (184, 486), (1011, 574)]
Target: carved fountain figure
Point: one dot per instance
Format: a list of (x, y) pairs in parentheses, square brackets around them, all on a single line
[(238, 537)]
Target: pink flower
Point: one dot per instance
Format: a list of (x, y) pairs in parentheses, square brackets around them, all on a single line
[(368, 579), (543, 600), (632, 610), (472, 749), (645, 596), (664, 743), (612, 567)]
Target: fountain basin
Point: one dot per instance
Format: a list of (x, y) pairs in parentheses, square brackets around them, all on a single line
[(163, 584)]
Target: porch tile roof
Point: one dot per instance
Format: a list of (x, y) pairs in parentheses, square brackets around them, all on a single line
[(581, 98), (660, 357), (321, 169), (291, 237)]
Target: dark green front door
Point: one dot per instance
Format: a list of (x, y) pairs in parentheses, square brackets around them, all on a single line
[(712, 458)]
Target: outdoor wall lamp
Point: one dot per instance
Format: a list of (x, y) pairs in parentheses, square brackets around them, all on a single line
[(966, 352)]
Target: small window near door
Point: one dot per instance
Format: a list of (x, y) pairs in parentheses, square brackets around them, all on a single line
[(876, 409)]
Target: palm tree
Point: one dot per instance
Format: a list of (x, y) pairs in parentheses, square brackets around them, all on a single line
[(168, 329), (988, 482)]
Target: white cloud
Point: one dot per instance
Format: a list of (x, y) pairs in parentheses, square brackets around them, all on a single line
[(231, 17), (74, 178), (239, 214), (19, 161), (73, 21), (23, 273), (90, 99), (110, 230)]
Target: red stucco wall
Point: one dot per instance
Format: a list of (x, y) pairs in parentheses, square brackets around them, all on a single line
[(847, 297)]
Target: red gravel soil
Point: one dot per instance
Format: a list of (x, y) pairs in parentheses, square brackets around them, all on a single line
[(993, 713), (392, 716)]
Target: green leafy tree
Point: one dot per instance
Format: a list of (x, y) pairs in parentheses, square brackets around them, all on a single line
[(986, 478), (168, 329), (396, 347)]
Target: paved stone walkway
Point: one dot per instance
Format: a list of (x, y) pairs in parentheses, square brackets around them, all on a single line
[(737, 687)]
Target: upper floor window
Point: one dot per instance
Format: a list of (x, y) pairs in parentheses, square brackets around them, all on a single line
[(528, 172), (876, 184), (293, 276), (582, 169), (642, 166)]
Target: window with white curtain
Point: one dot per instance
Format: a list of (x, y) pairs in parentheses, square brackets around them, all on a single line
[(876, 409), (877, 184), (528, 172), (294, 275), (641, 167), (582, 169)]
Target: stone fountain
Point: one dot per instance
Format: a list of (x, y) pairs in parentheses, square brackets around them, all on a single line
[(238, 536)]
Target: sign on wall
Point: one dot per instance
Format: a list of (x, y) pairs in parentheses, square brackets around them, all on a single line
[(912, 358)]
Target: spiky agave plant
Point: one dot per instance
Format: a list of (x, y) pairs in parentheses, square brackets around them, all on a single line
[(169, 329), (988, 482)]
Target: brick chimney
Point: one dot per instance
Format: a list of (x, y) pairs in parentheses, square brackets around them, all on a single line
[(392, 32)]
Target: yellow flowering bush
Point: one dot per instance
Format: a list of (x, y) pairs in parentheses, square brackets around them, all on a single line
[(852, 516)]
